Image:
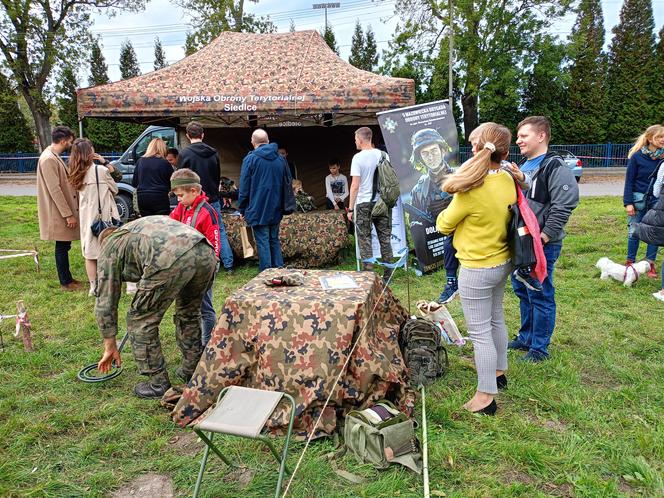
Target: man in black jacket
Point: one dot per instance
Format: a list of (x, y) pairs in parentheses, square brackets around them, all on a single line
[(204, 161), (553, 195)]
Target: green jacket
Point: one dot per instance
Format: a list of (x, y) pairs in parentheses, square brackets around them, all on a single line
[(137, 252)]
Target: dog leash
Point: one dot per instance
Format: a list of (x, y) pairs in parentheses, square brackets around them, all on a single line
[(636, 273)]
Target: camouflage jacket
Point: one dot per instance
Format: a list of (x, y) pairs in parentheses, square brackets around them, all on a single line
[(427, 195), (137, 252)]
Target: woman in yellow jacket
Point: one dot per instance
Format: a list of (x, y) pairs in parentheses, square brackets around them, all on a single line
[(478, 215)]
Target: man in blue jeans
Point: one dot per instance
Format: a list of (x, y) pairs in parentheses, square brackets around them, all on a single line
[(264, 182), (553, 195), (203, 160)]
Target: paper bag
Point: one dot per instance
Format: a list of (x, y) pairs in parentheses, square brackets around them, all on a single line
[(246, 238)]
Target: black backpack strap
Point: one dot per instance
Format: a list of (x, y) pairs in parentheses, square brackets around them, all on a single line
[(375, 178), (195, 217)]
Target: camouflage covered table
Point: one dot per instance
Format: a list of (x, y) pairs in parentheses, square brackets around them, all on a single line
[(296, 340), (308, 240)]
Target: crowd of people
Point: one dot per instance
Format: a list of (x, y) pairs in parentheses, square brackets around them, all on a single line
[(174, 254)]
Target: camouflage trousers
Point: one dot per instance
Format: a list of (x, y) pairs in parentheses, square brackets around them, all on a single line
[(383, 224), (185, 283)]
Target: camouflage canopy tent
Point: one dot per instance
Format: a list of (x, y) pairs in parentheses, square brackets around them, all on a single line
[(248, 80)]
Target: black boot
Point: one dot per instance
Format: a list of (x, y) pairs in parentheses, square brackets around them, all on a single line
[(154, 388)]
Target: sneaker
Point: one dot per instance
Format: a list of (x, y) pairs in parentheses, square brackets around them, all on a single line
[(93, 288), (517, 344), (652, 272), (230, 270), (450, 291), (533, 356), (659, 295), (531, 283), (132, 287)]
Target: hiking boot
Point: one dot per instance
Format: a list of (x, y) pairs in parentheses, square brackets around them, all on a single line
[(533, 356), (72, 286), (150, 390), (183, 375), (652, 272), (449, 292), (526, 279), (517, 344)]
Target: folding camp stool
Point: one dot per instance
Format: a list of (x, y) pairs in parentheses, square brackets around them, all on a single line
[(242, 411)]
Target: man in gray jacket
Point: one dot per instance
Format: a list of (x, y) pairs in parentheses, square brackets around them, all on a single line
[(552, 196)]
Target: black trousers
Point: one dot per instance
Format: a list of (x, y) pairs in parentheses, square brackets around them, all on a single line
[(62, 261), (151, 203)]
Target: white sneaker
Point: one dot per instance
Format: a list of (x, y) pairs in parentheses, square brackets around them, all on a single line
[(659, 296), (132, 287), (93, 288)]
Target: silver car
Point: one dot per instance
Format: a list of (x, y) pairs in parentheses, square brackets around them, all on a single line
[(573, 163)]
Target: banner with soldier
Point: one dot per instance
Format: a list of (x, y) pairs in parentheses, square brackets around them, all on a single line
[(422, 143)]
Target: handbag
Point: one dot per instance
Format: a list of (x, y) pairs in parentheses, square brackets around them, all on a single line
[(525, 238), (99, 225), (247, 248)]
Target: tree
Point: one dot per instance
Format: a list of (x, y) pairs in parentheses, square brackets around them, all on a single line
[(159, 55), (129, 67), (102, 133), (631, 64), (291, 28), (38, 35), (656, 86), (545, 91), (357, 44), (330, 39), (211, 17), (370, 58), (66, 97), (586, 102), (15, 134), (500, 91), (483, 31)]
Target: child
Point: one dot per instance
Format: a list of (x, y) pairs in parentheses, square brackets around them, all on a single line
[(336, 186), (194, 210), (304, 201)]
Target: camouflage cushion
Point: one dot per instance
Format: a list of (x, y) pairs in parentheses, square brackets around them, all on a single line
[(296, 340)]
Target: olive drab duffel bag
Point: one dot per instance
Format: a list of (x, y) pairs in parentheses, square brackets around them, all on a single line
[(382, 435)]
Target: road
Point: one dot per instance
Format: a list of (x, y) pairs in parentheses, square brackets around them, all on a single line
[(592, 188)]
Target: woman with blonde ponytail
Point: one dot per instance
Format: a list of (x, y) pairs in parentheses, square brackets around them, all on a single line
[(478, 215), (644, 158)]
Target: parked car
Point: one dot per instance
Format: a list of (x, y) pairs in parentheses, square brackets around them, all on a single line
[(573, 163), (128, 160)]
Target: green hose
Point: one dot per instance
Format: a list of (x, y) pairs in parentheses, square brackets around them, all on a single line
[(85, 373)]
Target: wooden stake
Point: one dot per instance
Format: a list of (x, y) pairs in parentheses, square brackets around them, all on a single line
[(24, 326)]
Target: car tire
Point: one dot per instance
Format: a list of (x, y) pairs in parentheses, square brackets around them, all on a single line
[(123, 202)]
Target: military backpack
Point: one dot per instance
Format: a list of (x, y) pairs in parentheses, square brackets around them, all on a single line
[(385, 183), (423, 351)]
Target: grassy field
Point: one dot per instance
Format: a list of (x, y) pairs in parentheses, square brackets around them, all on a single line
[(586, 423)]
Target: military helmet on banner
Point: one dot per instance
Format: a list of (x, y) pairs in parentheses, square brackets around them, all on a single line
[(421, 139)]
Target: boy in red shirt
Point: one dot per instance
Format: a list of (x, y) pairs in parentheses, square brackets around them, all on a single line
[(194, 210)]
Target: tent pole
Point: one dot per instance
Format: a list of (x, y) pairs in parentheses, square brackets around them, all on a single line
[(80, 128)]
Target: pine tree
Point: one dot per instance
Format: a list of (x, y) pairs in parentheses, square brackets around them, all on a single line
[(586, 104), (657, 89), (159, 55), (101, 132), (15, 134), (98, 67), (370, 57), (631, 68), (357, 47), (66, 97), (291, 28), (129, 67), (330, 39), (545, 91)]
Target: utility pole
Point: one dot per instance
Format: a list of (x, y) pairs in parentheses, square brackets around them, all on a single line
[(326, 6), (451, 55)]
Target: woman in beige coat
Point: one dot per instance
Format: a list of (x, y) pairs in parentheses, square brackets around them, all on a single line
[(83, 173)]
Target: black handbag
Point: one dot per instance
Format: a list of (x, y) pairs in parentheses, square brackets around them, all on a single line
[(99, 225), (522, 246)]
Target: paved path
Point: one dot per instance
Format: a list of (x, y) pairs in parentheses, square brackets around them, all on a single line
[(586, 189)]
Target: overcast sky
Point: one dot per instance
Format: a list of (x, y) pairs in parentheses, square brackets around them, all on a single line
[(164, 19)]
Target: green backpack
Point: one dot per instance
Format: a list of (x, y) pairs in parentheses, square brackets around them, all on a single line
[(381, 435), (385, 183), (423, 351)]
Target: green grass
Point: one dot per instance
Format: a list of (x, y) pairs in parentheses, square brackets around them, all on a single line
[(586, 423)]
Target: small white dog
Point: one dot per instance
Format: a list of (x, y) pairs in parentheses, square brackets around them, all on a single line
[(625, 274)]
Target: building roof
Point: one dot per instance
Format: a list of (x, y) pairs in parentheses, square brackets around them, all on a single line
[(243, 79)]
